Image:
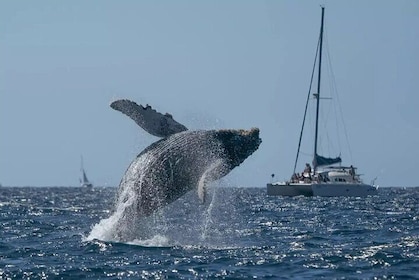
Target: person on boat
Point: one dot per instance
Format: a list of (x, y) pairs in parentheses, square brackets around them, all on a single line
[(307, 169), (352, 172), (297, 177)]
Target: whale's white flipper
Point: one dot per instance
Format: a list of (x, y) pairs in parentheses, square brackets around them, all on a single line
[(149, 119), (208, 176), (202, 192)]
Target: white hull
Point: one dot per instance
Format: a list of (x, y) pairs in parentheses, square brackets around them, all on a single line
[(350, 189), (286, 189), (321, 189)]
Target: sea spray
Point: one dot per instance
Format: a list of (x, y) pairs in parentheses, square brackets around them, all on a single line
[(126, 225), (203, 188), (109, 229), (186, 222), (207, 216), (123, 224)]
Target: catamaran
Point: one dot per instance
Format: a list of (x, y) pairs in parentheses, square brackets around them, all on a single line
[(327, 177)]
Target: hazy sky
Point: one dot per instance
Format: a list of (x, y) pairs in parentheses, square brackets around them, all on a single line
[(211, 64)]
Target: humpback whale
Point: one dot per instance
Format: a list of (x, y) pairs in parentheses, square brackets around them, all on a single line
[(180, 161)]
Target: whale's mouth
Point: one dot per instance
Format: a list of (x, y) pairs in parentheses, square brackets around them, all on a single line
[(239, 144), (253, 134), (251, 141)]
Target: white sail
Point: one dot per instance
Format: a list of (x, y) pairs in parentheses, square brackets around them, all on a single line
[(84, 181)]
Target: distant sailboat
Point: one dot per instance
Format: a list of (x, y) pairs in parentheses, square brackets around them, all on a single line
[(84, 182)]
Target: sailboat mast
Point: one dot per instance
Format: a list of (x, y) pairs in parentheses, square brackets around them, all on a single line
[(317, 95)]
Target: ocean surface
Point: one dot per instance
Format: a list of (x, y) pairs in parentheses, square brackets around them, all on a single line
[(241, 233)]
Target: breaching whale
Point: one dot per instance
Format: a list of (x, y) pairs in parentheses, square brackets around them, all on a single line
[(179, 162)]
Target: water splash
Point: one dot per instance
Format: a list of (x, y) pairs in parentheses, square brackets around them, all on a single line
[(159, 229), (123, 223), (207, 217)]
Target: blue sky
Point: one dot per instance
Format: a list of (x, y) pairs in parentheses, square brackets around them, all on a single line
[(212, 65)]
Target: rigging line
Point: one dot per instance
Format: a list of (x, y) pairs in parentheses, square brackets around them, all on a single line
[(332, 88), (335, 90), (331, 109), (307, 101)]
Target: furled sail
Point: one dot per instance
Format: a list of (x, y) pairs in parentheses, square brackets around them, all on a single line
[(321, 161)]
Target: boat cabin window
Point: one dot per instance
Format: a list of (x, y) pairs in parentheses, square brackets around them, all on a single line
[(340, 180)]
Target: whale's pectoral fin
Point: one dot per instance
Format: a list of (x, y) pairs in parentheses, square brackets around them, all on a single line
[(149, 119), (202, 192)]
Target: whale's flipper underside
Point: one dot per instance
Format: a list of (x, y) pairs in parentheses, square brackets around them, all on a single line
[(149, 119), (209, 175), (202, 193)]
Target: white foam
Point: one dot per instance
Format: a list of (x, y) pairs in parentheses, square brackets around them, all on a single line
[(106, 229), (155, 241), (103, 230)]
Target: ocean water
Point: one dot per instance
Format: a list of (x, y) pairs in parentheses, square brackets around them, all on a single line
[(241, 233)]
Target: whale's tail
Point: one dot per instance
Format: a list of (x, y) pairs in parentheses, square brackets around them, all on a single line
[(149, 119)]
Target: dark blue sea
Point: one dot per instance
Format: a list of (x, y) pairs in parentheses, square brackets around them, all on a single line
[(241, 233)]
